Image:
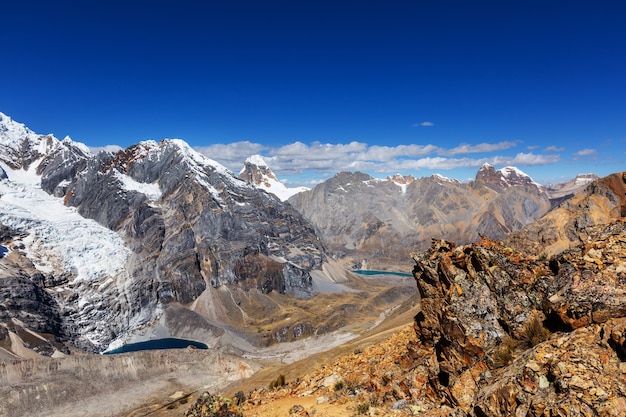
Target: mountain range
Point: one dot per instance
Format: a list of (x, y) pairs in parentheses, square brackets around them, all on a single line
[(120, 244), (371, 223), (157, 240)]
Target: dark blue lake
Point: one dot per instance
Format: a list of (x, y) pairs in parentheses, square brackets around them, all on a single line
[(166, 343), (372, 272)]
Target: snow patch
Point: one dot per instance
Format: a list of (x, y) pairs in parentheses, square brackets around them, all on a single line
[(402, 186), (152, 190), (58, 237), (508, 172), (280, 190)]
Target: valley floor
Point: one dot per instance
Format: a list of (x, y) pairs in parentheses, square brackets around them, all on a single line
[(386, 339)]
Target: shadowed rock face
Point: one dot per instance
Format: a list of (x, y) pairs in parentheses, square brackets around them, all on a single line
[(501, 333)]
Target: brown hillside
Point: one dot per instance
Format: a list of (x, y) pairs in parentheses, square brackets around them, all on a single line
[(599, 203)]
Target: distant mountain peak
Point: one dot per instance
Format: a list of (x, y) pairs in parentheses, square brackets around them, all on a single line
[(504, 178), (256, 172), (257, 160), (572, 186)]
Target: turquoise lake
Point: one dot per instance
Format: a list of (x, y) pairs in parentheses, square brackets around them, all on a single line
[(372, 272), (166, 343)]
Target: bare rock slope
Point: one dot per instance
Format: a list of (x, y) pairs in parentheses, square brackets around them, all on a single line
[(600, 202)]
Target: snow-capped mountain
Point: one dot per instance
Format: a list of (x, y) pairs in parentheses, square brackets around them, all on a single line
[(120, 241), (257, 172), (504, 178)]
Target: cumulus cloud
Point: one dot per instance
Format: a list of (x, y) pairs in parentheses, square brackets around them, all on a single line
[(554, 149), (232, 154), (439, 162), (586, 152), (525, 159), (479, 148), (388, 153), (318, 160)]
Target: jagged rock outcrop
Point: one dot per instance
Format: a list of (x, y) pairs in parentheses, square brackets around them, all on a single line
[(375, 221), (501, 333), (498, 333)]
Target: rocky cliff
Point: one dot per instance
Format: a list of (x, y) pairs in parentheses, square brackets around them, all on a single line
[(500, 333), (376, 222)]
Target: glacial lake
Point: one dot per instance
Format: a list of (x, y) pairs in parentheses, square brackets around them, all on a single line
[(373, 272), (166, 343)]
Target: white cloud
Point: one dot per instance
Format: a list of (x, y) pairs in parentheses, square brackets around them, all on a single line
[(586, 152), (232, 155), (423, 124), (439, 162), (525, 159), (479, 148), (388, 153), (554, 149), (315, 161)]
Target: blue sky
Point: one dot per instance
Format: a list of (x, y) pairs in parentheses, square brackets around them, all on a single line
[(316, 87)]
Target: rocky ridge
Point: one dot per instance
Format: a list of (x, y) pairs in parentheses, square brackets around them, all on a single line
[(572, 186)]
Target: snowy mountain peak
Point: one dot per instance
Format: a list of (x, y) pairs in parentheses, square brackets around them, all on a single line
[(257, 160), (572, 186), (68, 142), (256, 172), (440, 177), (195, 157), (504, 178), (20, 146), (10, 127)]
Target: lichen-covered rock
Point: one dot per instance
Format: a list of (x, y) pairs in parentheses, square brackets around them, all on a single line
[(576, 373), (485, 348)]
